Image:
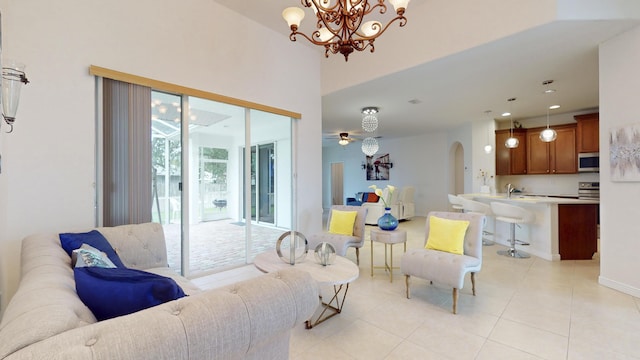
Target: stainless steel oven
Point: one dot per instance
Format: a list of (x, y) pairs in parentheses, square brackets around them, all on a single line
[(589, 162), (588, 190)]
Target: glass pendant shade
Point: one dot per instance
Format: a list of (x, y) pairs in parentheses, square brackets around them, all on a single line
[(370, 146), (512, 142), (548, 135), (12, 75), (369, 123)]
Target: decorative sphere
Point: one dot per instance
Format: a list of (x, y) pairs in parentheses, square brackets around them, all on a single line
[(296, 246), (325, 254)]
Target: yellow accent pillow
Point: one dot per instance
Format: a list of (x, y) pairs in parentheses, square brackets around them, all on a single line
[(447, 235), (342, 222)]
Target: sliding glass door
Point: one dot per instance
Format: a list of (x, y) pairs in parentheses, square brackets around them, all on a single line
[(202, 187)]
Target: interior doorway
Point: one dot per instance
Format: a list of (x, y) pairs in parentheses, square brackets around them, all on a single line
[(456, 161), (337, 183)]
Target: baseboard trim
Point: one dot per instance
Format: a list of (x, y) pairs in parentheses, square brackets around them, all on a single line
[(615, 285)]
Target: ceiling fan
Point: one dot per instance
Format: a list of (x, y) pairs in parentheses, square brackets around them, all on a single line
[(345, 139)]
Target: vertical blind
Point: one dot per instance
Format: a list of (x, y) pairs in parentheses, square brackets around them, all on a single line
[(127, 153)]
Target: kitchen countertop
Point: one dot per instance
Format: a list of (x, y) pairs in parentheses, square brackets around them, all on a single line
[(543, 232), (533, 199)]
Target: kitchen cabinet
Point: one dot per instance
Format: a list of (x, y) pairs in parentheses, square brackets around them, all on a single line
[(577, 231), (556, 157), (511, 161), (588, 134)]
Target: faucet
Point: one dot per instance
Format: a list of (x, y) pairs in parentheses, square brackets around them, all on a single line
[(510, 189)]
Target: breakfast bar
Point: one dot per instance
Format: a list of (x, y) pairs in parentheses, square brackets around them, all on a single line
[(564, 228)]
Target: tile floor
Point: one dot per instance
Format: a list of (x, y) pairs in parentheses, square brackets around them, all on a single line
[(524, 309)]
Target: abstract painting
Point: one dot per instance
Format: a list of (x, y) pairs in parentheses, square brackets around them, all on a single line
[(624, 153)]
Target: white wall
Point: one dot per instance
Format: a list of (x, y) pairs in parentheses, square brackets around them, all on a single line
[(619, 89), (47, 183), (418, 161)]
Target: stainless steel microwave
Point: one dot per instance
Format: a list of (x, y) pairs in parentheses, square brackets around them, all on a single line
[(589, 162)]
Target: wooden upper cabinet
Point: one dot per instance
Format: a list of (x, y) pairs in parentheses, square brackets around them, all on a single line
[(556, 157), (511, 161), (588, 134)]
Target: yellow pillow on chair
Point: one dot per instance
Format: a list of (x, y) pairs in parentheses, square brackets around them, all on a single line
[(342, 222), (447, 235)]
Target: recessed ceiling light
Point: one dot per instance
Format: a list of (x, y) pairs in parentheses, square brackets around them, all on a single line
[(506, 113), (554, 107)]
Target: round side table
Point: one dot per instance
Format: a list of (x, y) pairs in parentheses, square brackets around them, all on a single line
[(387, 238)]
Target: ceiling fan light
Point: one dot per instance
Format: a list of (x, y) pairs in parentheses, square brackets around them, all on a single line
[(343, 142), (512, 143), (548, 135)]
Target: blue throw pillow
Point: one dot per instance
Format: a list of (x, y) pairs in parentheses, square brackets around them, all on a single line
[(73, 241), (109, 293)]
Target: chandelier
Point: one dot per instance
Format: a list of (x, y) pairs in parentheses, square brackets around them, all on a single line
[(369, 119), (340, 26), (370, 146)]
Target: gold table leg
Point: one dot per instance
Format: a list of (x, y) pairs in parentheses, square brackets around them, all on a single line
[(334, 306)]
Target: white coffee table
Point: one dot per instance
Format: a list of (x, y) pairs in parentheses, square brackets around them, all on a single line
[(339, 275)]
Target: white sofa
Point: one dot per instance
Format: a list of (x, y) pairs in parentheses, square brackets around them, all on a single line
[(252, 319), (401, 203), (376, 209)]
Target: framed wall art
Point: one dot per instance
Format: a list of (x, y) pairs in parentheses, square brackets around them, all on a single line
[(624, 153)]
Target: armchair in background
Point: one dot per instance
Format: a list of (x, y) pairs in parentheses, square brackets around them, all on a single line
[(406, 205)]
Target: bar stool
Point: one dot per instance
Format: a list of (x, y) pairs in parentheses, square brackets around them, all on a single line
[(456, 202), (476, 207), (513, 215)]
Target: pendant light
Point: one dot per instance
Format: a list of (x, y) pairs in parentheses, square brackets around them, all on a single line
[(511, 142), (488, 147), (548, 135)]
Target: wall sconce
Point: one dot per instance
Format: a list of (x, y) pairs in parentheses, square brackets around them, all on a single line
[(13, 76)]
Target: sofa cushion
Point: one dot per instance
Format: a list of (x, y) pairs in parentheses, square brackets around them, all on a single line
[(371, 197), (88, 256), (73, 241), (120, 291), (447, 235)]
